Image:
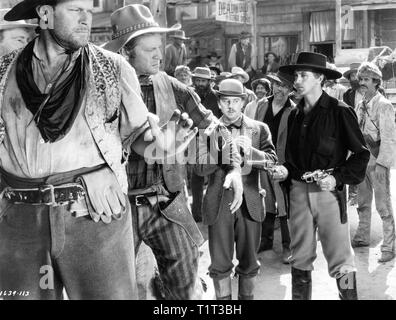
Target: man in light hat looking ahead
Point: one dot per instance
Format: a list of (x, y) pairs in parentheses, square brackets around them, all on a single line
[(160, 213), (376, 116), (68, 108), (321, 132)]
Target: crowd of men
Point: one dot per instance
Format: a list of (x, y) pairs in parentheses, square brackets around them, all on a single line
[(97, 145)]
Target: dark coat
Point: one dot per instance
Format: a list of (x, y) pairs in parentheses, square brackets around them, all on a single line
[(349, 97), (262, 149)]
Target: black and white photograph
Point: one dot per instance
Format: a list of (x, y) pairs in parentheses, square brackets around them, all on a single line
[(210, 151)]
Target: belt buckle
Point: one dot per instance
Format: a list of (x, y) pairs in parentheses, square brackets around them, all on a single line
[(137, 203), (43, 189)]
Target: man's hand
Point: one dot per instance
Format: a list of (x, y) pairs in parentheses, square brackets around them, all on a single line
[(380, 173), (328, 183), (173, 137), (234, 180), (279, 173), (245, 143)]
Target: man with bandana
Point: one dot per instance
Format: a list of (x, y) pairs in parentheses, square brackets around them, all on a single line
[(67, 110)]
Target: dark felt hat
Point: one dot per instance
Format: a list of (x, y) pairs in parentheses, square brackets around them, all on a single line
[(312, 61), (26, 9)]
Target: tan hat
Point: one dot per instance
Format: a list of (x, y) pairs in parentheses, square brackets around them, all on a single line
[(353, 67), (130, 22), (370, 70), (202, 73), (14, 24), (232, 88), (237, 71)]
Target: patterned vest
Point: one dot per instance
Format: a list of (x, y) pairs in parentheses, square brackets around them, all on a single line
[(103, 101)]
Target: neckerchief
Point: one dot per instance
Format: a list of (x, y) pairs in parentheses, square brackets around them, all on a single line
[(54, 113)]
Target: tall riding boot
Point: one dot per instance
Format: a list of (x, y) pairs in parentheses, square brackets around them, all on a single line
[(267, 232), (347, 289), (223, 288), (246, 287), (301, 284)]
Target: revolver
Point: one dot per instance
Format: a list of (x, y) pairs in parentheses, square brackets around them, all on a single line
[(268, 165), (316, 175)]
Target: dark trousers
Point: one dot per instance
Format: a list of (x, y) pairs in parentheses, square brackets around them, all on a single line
[(176, 254), (238, 229), (45, 249), (197, 188)]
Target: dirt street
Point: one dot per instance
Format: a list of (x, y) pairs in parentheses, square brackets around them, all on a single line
[(376, 281)]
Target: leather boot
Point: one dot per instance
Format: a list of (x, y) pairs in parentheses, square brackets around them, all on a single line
[(301, 284), (246, 288), (347, 289), (267, 232), (223, 288)]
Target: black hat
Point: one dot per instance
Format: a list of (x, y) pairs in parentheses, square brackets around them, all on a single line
[(281, 77), (314, 61), (26, 9), (215, 69), (213, 54)]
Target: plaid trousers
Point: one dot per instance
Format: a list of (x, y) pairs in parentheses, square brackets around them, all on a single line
[(176, 254)]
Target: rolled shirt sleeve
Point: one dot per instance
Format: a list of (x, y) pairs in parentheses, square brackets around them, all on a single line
[(133, 111)]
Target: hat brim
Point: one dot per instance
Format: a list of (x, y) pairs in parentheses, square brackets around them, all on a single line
[(329, 73), (209, 56), (348, 72), (274, 77), (181, 38), (201, 76), (25, 10), (17, 25), (230, 94), (116, 44), (245, 76)]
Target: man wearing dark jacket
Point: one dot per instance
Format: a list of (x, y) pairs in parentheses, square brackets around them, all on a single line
[(322, 131)]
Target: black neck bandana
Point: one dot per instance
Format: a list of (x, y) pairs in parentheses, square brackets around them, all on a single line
[(54, 113)]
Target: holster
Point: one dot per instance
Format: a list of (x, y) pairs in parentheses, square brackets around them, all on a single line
[(342, 203), (92, 182), (373, 146), (176, 210)]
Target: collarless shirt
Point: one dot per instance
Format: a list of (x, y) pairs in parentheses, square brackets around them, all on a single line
[(24, 153)]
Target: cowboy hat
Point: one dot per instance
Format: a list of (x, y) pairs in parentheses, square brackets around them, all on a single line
[(202, 73), (14, 24), (26, 9), (179, 34), (130, 22), (213, 54), (353, 67), (232, 88), (244, 35), (369, 70), (237, 71), (281, 77), (215, 69), (311, 61)]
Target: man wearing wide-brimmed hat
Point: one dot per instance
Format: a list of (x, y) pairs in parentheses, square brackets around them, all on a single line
[(202, 79), (214, 60), (275, 112), (175, 52), (242, 53), (161, 216), (376, 116), (322, 132), (68, 108), (13, 34), (353, 95), (241, 229)]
